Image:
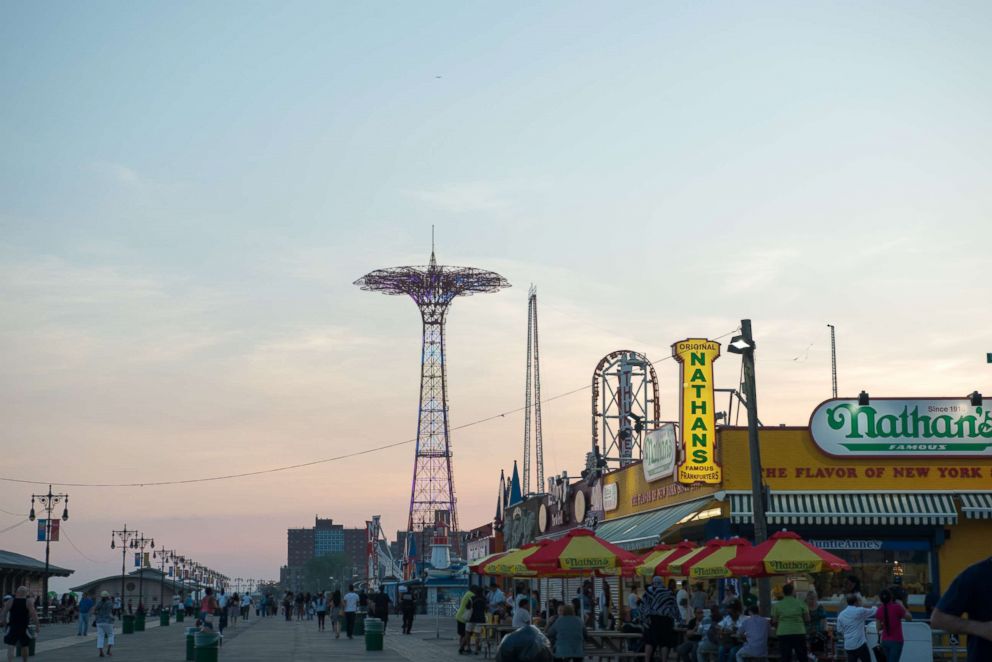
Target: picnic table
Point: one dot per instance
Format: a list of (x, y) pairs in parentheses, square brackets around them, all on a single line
[(612, 645)]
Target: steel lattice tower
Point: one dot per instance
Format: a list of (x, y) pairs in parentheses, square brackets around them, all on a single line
[(532, 400), (432, 288)]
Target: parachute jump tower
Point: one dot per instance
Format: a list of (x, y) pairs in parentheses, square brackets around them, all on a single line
[(432, 288)]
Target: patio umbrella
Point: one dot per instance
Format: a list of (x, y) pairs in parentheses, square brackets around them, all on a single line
[(478, 567), (511, 563), (785, 553), (653, 563), (580, 552), (711, 561)]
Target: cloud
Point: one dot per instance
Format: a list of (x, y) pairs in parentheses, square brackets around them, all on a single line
[(116, 172), (758, 269)]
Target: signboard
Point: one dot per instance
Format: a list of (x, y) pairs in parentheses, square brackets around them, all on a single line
[(659, 453), (42, 525), (610, 497), (696, 357), (894, 427)]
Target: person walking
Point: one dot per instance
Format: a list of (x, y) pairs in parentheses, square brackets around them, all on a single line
[(891, 613), (660, 613), (381, 602), (287, 605), (851, 624), (408, 607), (567, 635), (208, 605), (350, 611), (476, 621), (816, 628), (320, 605), (85, 605), (16, 616), (969, 594), (789, 617), (336, 613), (104, 617), (463, 614)]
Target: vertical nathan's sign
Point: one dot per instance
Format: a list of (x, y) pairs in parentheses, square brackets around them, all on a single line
[(696, 357)]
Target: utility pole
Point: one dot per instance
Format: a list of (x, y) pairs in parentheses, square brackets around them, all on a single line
[(48, 503), (833, 358), (744, 345)]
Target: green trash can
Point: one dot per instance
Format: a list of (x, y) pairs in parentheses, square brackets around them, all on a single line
[(190, 645), (180, 614), (127, 623), (206, 646), (139, 622), (373, 634), (163, 618)]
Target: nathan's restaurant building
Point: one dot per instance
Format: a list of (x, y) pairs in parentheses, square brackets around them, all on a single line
[(901, 489)]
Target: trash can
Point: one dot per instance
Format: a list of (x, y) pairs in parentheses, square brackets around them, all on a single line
[(180, 614), (373, 634), (190, 638), (127, 623), (139, 622), (163, 618), (206, 646)]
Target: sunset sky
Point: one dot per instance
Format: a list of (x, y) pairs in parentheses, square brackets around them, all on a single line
[(189, 190)]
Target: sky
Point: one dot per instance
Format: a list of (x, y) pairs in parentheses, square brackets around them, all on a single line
[(189, 190)]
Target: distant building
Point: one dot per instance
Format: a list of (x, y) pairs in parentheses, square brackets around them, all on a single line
[(19, 570), (155, 589), (325, 537), (479, 542), (328, 537)]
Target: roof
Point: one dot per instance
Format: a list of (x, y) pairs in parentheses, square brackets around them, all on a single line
[(151, 574), (14, 561)]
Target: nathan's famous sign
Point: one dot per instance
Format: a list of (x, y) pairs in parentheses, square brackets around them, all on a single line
[(892, 427), (696, 357)]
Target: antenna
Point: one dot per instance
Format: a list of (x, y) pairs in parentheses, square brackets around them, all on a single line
[(833, 359)]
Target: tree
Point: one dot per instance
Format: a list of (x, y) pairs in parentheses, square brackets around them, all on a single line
[(317, 572)]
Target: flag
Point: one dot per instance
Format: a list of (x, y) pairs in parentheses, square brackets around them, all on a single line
[(172, 571), (147, 560), (137, 559), (55, 530), (42, 525)]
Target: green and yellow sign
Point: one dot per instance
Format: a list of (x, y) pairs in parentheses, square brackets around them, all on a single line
[(696, 357)]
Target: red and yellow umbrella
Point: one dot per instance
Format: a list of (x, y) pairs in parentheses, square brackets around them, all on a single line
[(785, 553), (477, 567), (581, 552), (655, 562), (511, 563), (711, 561)]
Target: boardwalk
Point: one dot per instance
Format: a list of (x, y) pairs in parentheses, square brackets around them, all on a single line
[(260, 639)]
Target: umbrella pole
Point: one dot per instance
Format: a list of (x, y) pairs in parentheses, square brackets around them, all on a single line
[(620, 602)]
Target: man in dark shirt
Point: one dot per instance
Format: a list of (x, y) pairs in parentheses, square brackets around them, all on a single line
[(381, 602), (969, 594)]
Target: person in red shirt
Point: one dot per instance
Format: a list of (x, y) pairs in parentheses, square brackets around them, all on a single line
[(891, 613)]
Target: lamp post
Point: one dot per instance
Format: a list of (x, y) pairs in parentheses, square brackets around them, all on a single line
[(164, 556), (126, 536), (48, 502), (139, 544), (744, 345)]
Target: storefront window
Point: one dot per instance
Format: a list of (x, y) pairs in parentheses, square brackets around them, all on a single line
[(878, 569)]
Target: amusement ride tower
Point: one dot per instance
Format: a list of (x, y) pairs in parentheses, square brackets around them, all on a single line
[(432, 288)]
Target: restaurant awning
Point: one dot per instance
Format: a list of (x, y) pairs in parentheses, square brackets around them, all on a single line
[(976, 506), (882, 508), (644, 530)]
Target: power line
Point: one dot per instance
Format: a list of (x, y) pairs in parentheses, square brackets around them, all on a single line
[(11, 528), (7, 512), (79, 551), (302, 465)]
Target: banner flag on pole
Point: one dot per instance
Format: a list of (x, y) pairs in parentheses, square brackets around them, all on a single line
[(55, 530), (137, 559), (147, 560), (42, 523)]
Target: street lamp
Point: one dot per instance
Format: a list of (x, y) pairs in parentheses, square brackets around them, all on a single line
[(126, 537), (48, 502), (164, 556), (139, 543)]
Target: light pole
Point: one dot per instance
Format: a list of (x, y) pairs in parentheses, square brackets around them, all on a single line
[(48, 502), (744, 345), (139, 544), (165, 556), (126, 537)]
